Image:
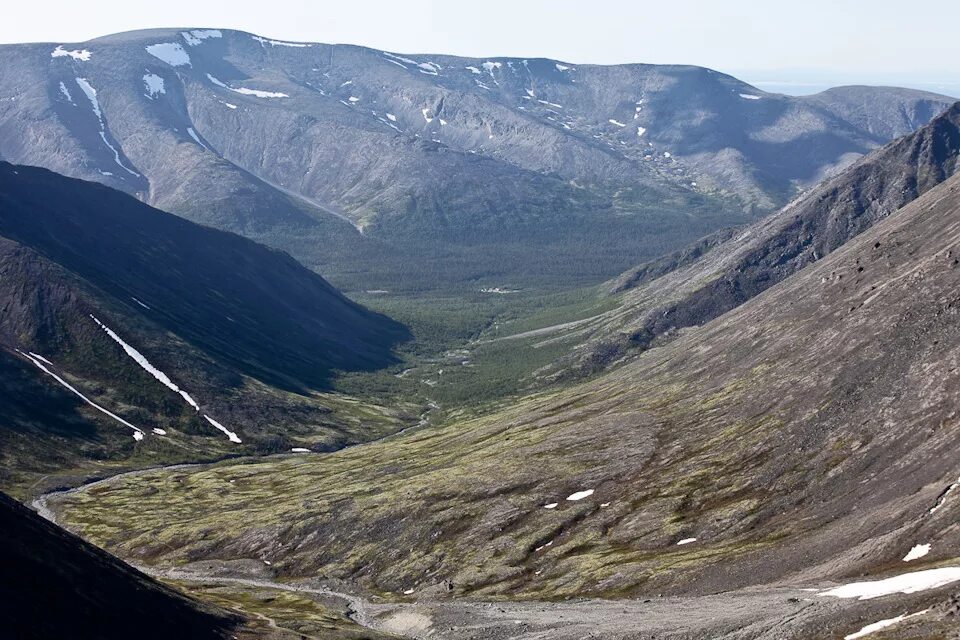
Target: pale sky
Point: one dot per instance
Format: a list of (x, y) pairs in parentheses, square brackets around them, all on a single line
[(803, 45)]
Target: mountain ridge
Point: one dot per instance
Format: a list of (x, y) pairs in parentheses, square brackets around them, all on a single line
[(120, 320), (634, 160)]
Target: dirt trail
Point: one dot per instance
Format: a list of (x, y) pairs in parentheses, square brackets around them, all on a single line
[(543, 331)]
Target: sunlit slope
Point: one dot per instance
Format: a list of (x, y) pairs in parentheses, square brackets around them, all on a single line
[(807, 434)]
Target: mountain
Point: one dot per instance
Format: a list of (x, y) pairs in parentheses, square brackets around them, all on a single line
[(500, 163), (194, 341), (722, 271), (66, 588), (802, 439)]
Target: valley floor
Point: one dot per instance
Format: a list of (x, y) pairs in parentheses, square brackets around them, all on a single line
[(317, 608)]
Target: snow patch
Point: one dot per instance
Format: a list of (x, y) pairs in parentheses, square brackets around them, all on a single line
[(905, 583), (145, 364), (552, 505), (747, 96), (580, 495), (882, 624), (473, 70), (353, 99), (160, 432), (154, 85), (197, 36), (139, 303), (171, 53), (562, 67), (616, 122), (425, 116), (81, 55), (391, 117), (300, 450), (686, 541), (917, 552), (641, 131), (230, 434)]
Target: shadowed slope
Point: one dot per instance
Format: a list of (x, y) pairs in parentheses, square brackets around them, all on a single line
[(55, 585)]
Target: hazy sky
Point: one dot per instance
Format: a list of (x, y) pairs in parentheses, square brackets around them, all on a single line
[(804, 44)]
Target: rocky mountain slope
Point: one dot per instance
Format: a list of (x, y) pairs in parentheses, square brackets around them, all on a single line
[(296, 144), (724, 270), (66, 588), (803, 438), (129, 332)]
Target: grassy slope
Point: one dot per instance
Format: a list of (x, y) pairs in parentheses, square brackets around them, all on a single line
[(754, 434)]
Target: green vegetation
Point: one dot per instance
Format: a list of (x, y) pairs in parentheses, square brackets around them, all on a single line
[(283, 613)]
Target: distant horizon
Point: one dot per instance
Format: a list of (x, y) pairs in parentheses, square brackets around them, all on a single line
[(793, 82), (781, 48)]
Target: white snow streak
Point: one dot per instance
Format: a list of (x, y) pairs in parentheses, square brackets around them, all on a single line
[(747, 96), (66, 93), (280, 43), (580, 495), (247, 92), (552, 505), (616, 122), (882, 624), (41, 358), (160, 432), (196, 138), (943, 498), (300, 450), (551, 104), (91, 94), (139, 303), (36, 360), (905, 583), (145, 364), (230, 434), (686, 541)]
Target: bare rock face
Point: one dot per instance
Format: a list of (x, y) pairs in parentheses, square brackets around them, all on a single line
[(297, 143)]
